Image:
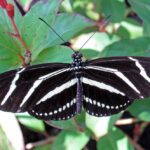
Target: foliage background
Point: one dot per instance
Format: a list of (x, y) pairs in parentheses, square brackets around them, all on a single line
[(127, 33)]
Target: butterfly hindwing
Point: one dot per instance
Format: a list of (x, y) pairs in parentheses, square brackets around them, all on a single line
[(60, 106), (101, 101)]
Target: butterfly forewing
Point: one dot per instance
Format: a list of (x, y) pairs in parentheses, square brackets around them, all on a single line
[(22, 88), (129, 75)]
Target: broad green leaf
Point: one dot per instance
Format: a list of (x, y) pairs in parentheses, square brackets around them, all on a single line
[(34, 31), (89, 53), (69, 124), (114, 140), (66, 25), (115, 8), (5, 144), (99, 126), (97, 42), (146, 29), (64, 124), (70, 140), (142, 8), (136, 47), (55, 54), (141, 109), (32, 123), (129, 29), (10, 47)]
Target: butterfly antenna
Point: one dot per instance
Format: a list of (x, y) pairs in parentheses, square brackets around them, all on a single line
[(103, 23), (87, 41), (55, 32)]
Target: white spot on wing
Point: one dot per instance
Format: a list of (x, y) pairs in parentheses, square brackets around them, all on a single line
[(98, 104)]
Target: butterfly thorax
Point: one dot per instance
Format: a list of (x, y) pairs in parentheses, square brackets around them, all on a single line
[(77, 64)]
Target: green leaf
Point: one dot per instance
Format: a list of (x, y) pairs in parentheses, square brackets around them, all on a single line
[(97, 42), (89, 53), (70, 140), (70, 25), (34, 31), (129, 29), (10, 47), (146, 26), (114, 140), (115, 8), (32, 123), (55, 54), (69, 124), (63, 124), (142, 8), (99, 126), (141, 109), (136, 47), (4, 141)]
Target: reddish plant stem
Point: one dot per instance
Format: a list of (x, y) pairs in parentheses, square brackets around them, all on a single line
[(78, 126), (18, 35), (23, 60)]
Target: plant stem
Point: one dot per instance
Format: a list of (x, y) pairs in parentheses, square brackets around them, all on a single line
[(18, 35)]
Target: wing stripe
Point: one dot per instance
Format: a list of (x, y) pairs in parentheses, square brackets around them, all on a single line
[(101, 85), (12, 86), (39, 81), (142, 70), (57, 90), (118, 73)]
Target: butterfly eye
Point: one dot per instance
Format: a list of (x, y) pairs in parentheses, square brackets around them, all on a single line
[(80, 55)]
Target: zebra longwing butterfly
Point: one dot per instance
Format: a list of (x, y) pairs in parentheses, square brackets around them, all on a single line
[(57, 91)]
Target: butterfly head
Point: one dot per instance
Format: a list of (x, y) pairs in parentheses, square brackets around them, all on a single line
[(77, 58)]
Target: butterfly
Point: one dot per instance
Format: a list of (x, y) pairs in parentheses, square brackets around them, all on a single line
[(59, 91)]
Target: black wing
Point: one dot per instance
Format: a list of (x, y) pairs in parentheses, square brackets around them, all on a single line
[(40, 90), (111, 84)]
